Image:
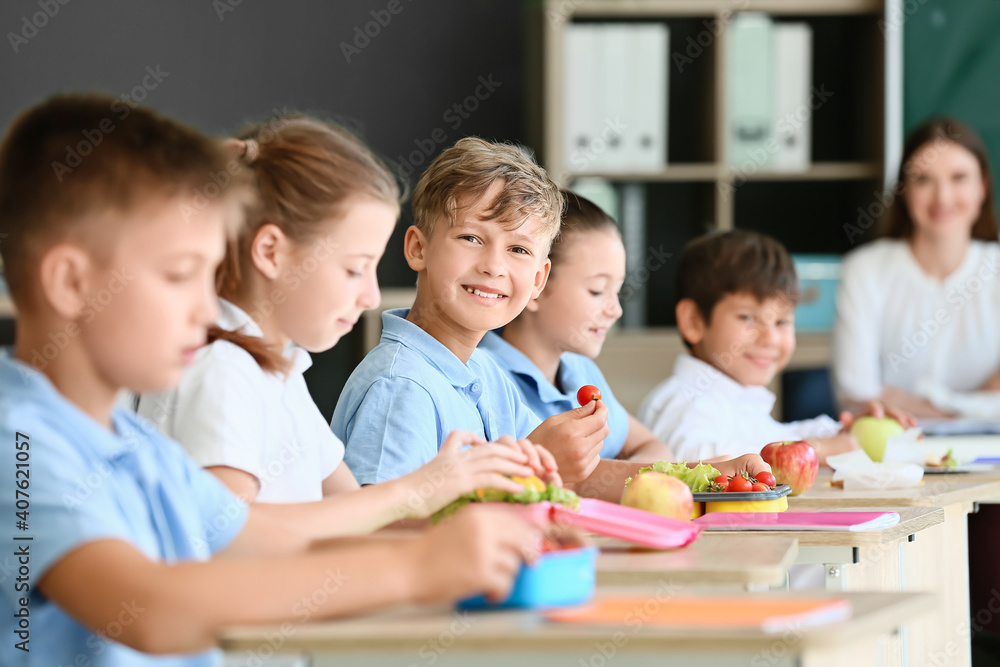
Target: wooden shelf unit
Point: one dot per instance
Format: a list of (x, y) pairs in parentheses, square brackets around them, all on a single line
[(701, 191)]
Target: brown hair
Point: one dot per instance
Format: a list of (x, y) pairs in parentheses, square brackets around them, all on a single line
[(935, 130), (467, 170), (731, 262), (580, 215), (306, 171), (69, 158)]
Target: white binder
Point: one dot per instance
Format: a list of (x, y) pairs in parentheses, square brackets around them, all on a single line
[(580, 94), (750, 90), (618, 115), (649, 86), (792, 82)]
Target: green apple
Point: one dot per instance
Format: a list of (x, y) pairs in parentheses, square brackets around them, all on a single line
[(659, 493), (873, 433)]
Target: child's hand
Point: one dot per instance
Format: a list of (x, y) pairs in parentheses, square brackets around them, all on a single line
[(751, 463), (479, 550), (575, 439), (457, 470), (841, 443), (539, 458), (879, 410)]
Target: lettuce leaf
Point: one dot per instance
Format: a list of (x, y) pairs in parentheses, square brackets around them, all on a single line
[(552, 493), (698, 478)]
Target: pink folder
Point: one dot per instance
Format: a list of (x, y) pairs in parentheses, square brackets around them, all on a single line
[(817, 520), (612, 520)]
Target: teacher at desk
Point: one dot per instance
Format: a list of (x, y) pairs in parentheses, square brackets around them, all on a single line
[(918, 313)]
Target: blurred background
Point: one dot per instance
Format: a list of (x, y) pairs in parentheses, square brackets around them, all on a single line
[(399, 78)]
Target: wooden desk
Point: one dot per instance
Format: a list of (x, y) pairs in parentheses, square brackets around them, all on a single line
[(860, 560), (937, 561), (445, 638), (751, 561), (864, 560)]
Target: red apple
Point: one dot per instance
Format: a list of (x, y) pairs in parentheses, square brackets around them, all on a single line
[(793, 463)]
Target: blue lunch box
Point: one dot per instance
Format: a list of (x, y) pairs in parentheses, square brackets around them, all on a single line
[(557, 579)]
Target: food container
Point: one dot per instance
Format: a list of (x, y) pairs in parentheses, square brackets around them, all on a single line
[(566, 577), (556, 579), (749, 501)]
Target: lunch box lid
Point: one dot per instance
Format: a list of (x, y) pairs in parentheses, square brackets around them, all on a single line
[(779, 491)]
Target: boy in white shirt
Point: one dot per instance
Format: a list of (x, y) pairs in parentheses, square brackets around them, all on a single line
[(736, 294)]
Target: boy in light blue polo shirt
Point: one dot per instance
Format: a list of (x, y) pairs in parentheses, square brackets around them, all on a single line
[(485, 215), (83, 483), (403, 404)]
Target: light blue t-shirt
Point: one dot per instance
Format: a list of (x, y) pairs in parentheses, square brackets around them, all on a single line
[(410, 392), (81, 483), (545, 400)]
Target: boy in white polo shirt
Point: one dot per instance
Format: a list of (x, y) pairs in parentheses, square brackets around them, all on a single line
[(736, 294)]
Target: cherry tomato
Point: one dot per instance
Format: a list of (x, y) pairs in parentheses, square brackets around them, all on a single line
[(721, 479), (766, 478), (740, 485), (760, 486), (588, 393)]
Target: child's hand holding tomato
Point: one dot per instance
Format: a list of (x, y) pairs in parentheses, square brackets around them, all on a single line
[(575, 439)]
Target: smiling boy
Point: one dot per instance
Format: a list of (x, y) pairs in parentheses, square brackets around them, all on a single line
[(736, 293), (485, 216)]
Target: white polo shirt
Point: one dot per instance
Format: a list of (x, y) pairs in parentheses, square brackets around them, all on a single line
[(227, 411), (897, 326), (701, 413)]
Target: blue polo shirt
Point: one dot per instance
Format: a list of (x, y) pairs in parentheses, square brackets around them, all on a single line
[(545, 400), (85, 483), (410, 392)]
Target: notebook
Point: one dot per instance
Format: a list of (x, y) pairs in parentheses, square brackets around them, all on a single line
[(771, 615), (847, 521)]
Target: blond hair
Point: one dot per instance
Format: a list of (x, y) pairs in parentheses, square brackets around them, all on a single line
[(306, 172), (464, 173)]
